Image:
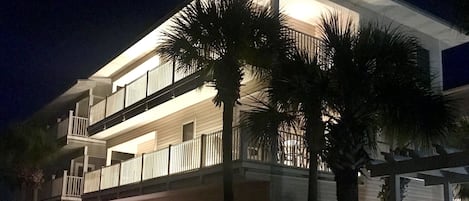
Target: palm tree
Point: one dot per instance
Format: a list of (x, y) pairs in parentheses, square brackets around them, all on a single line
[(26, 148), (224, 39), (294, 100), (375, 87)]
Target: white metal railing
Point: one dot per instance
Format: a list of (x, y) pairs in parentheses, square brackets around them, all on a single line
[(98, 112), (136, 90), (131, 171), (307, 43), (74, 186), (213, 144), (185, 156), (155, 164), (115, 102), (73, 125), (92, 181), (180, 74), (109, 176), (200, 152), (79, 126), (160, 77), (66, 186), (149, 83)]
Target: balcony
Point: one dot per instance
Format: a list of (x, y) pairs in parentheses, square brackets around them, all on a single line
[(72, 126), (151, 89), (163, 83), (63, 188), (197, 154)]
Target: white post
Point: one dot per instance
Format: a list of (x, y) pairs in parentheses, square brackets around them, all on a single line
[(70, 122), (64, 183), (395, 187), (448, 191), (85, 160), (72, 167), (90, 103)]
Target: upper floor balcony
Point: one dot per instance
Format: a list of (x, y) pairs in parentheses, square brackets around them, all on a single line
[(160, 85), (153, 88), (72, 125)]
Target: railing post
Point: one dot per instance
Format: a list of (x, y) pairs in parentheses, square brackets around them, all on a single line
[(169, 159), (125, 94), (203, 149), (142, 168), (100, 175), (64, 183), (146, 88), (243, 148), (119, 174), (105, 106), (174, 71), (70, 122)]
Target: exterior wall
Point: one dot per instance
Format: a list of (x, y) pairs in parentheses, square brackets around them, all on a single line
[(206, 116), (146, 147)]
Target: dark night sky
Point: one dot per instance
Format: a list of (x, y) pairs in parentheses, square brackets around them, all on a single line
[(46, 45)]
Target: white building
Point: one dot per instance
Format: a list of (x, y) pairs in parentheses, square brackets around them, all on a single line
[(139, 130)]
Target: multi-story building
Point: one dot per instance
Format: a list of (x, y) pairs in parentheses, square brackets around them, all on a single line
[(138, 129)]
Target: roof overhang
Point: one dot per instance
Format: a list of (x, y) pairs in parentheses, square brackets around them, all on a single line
[(418, 19), (65, 99)]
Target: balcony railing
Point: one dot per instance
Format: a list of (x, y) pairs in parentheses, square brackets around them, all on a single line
[(66, 186), (311, 45), (148, 84), (192, 155), (166, 74), (73, 125)]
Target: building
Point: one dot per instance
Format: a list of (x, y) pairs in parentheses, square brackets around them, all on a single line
[(137, 129)]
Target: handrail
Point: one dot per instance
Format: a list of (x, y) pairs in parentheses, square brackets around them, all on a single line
[(65, 186), (159, 77), (203, 151), (156, 80), (73, 125)]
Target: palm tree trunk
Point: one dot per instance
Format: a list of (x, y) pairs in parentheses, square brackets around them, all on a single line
[(35, 194), (314, 135), (313, 177), (347, 184), (227, 151)]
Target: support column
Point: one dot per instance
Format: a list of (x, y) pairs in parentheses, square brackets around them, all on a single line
[(447, 191), (85, 160), (395, 187)]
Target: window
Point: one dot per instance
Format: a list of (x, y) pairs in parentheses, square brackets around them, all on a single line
[(188, 131)]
